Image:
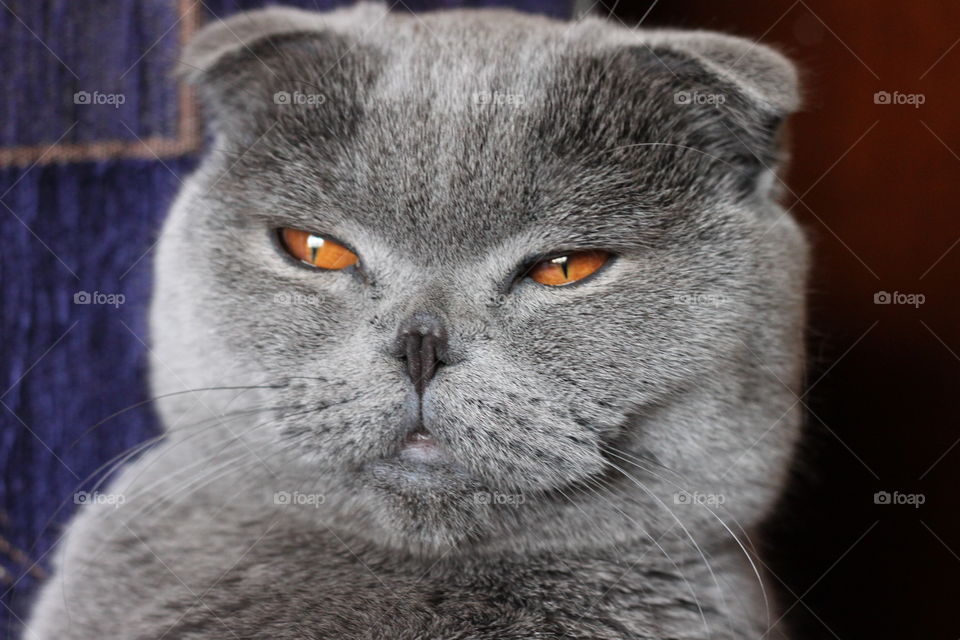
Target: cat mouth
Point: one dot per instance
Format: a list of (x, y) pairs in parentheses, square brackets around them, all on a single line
[(421, 447), (420, 462)]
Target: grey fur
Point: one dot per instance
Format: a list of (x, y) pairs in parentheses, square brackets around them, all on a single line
[(449, 149)]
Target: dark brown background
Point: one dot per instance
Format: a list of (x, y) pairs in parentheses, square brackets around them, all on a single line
[(876, 186)]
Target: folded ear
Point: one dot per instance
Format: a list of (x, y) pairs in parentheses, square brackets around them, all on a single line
[(743, 87), (261, 65), (708, 103), (760, 72)]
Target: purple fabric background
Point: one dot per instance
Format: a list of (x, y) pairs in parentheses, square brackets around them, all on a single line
[(85, 227)]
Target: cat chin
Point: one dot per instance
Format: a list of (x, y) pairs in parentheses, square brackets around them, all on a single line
[(427, 505), (421, 476)]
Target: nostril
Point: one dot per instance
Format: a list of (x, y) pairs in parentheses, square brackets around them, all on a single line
[(423, 348)]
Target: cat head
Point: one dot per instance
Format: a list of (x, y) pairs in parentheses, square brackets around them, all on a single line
[(491, 270)]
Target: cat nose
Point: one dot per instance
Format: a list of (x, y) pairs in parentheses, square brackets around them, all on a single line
[(422, 342)]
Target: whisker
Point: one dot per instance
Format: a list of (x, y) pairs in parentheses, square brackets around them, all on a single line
[(162, 397), (666, 555), (683, 527), (143, 512), (592, 521), (213, 455), (203, 460), (123, 457), (739, 543), (113, 463), (193, 486), (723, 523)]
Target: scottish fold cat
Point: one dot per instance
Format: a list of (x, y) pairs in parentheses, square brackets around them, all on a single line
[(471, 324)]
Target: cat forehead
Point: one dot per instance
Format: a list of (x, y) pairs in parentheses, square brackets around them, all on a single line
[(441, 183), (462, 148), (472, 126)]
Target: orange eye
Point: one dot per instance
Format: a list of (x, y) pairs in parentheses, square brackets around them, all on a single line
[(316, 250), (569, 268)]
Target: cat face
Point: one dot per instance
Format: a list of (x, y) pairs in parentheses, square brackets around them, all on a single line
[(544, 253)]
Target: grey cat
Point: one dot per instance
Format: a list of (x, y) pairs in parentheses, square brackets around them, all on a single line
[(473, 325)]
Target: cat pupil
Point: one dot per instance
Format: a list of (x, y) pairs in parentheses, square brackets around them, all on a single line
[(564, 263), (315, 243)]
